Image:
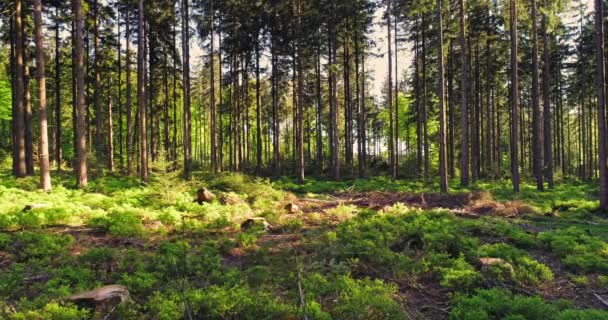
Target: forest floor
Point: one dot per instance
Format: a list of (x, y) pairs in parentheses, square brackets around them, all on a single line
[(360, 249)]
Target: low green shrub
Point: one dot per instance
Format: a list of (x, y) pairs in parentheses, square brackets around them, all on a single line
[(121, 222), (237, 302), (501, 304), (578, 249), (51, 311), (525, 270), (355, 299)]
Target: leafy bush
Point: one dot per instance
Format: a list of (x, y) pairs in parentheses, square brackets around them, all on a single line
[(524, 269), (578, 250), (237, 302), (123, 222), (52, 311), (502, 304), (359, 299), (28, 245)]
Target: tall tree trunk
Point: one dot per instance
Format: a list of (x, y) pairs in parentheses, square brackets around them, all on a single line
[(536, 115), (58, 129), (120, 111), (186, 75), (514, 98), (601, 100), (130, 123), (81, 145), (319, 124), (391, 140), (443, 165), (547, 130), (397, 147), (43, 152), (96, 95), (213, 122), (29, 125), (13, 71), (464, 112), (19, 115), (258, 112), (141, 94), (110, 130), (300, 127)]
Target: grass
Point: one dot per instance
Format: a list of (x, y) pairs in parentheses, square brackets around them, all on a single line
[(177, 257)]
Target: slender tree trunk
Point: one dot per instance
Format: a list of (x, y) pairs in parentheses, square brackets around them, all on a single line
[(514, 98), (536, 115), (601, 100), (547, 132), (213, 122), (120, 110), (43, 152), (258, 111), (29, 125), (464, 112), (186, 75), (319, 135), (96, 95), (58, 127), (130, 139), (110, 130), (300, 125), (443, 166), (80, 103), (141, 94), (391, 140), (19, 115), (13, 71)]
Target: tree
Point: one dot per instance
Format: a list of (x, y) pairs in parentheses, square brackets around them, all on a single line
[(391, 140), (514, 98), (547, 130), (81, 148), (19, 114), (601, 100), (443, 164), (186, 89), (141, 94), (464, 113), (43, 152), (536, 116)]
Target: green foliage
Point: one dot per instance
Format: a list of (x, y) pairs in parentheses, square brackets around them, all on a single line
[(522, 268), (237, 302), (51, 311), (356, 298), (578, 250), (501, 304), (123, 222), (29, 245), (458, 274)]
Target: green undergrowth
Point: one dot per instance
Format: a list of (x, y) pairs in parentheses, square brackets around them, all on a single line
[(180, 259)]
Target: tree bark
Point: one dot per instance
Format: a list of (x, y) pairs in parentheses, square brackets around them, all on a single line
[(514, 98), (81, 166), (601, 100), (547, 130), (19, 116), (58, 129), (464, 113), (536, 115), (141, 94), (443, 166), (43, 152)]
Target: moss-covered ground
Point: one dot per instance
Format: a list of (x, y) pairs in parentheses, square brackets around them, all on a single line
[(361, 249)]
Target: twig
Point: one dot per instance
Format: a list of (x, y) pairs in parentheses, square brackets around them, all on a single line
[(602, 300), (300, 290)]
